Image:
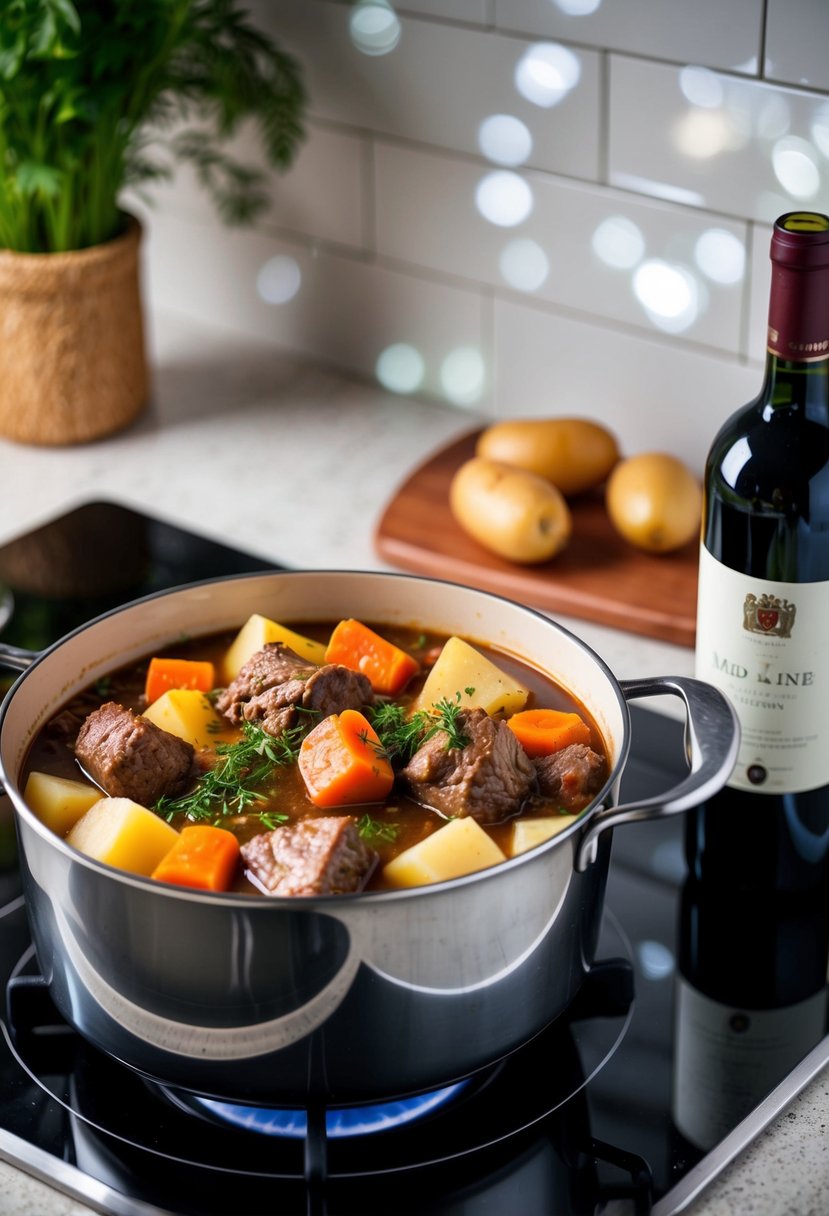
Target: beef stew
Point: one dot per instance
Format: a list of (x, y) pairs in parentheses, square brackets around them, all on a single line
[(330, 755)]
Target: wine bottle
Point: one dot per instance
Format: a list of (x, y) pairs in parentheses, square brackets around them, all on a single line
[(763, 602), (751, 1002)]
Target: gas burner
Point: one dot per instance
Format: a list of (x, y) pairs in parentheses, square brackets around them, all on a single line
[(521, 1123), (455, 1121), (339, 1122)]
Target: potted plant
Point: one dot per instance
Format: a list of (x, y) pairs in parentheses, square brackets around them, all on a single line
[(94, 98)]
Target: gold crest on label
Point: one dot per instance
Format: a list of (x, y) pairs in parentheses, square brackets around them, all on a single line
[(769, 615)]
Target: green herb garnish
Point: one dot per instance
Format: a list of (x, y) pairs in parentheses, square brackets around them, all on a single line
[(234, 784), (377, 831), (447, 713), (271, 819), (402, 734)]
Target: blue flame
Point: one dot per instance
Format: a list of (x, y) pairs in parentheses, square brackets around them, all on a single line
[(339, 1122)]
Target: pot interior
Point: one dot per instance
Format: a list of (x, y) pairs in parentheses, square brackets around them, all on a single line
[(133, 632)]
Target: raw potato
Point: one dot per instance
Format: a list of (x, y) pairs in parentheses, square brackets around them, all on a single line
[(654, 502), (463, 675), (123, 834), (511, 512), (527, 833), (188, 713), (575, 454), (461, 847), (59, 802), (256, 632)]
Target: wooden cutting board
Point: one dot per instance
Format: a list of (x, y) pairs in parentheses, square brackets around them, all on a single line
[(599, 577)]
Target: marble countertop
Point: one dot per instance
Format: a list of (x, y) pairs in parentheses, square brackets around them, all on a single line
[(295, 464)]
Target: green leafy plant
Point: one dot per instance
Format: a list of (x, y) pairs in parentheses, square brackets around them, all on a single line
[(104, 94)]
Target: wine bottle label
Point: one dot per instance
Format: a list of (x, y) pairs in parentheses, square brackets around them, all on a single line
[(763, 644), (728, 1059)]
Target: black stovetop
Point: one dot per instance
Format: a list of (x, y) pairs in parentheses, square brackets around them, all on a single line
[(579, 1121)]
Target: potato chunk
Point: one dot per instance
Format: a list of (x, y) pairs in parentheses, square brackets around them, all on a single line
[(256, 632), (124, 834), (527, 833), (188, 713), (59, 802), (461, 669), (461, 847)]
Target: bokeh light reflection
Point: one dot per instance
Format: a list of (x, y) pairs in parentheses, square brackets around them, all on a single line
[(546, 73), (669, 294), (279, 280), (504, 198), (702, 134), (619, 243), (655, 960), (505, 140), (400, 368), (701, 87), (721, 256), (524, 265), (463, 375), (578, 8), (374, 27), (795, 167)]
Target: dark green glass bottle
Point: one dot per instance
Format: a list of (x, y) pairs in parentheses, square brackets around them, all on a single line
[(763, 608)]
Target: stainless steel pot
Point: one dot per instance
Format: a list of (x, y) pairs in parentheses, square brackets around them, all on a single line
[(355, 997)]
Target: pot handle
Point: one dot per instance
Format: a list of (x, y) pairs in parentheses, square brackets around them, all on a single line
[(712, 737), (16, 657)]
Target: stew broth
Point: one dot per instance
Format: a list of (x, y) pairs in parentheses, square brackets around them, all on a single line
[(389, 827)]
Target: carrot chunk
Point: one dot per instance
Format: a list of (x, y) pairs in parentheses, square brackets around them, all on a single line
[(542, 731), (354, 645), (203, 856), (342, 762), (164, 674)]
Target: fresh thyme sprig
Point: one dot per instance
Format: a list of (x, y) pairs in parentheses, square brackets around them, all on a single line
[(377, 831), (448, 719), (402, 734), (234, 785)]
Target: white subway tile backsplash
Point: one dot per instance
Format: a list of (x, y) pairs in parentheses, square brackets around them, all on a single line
[(653, 397), (324, 194), (597, 251), (424, 336), (440, 82), (797, 38), (758, 314), (526, 206), (723, 35), (744, 148), (473, 11)]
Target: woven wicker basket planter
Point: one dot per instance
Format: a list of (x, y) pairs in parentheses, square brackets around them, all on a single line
[(72, 357)]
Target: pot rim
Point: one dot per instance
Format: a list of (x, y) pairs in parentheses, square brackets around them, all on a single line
[(318, 902)]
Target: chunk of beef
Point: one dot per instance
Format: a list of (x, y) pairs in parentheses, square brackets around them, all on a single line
[(488, 779), (572, 777), (274, 665), (276, 684), (322, 856), (131, 757)]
